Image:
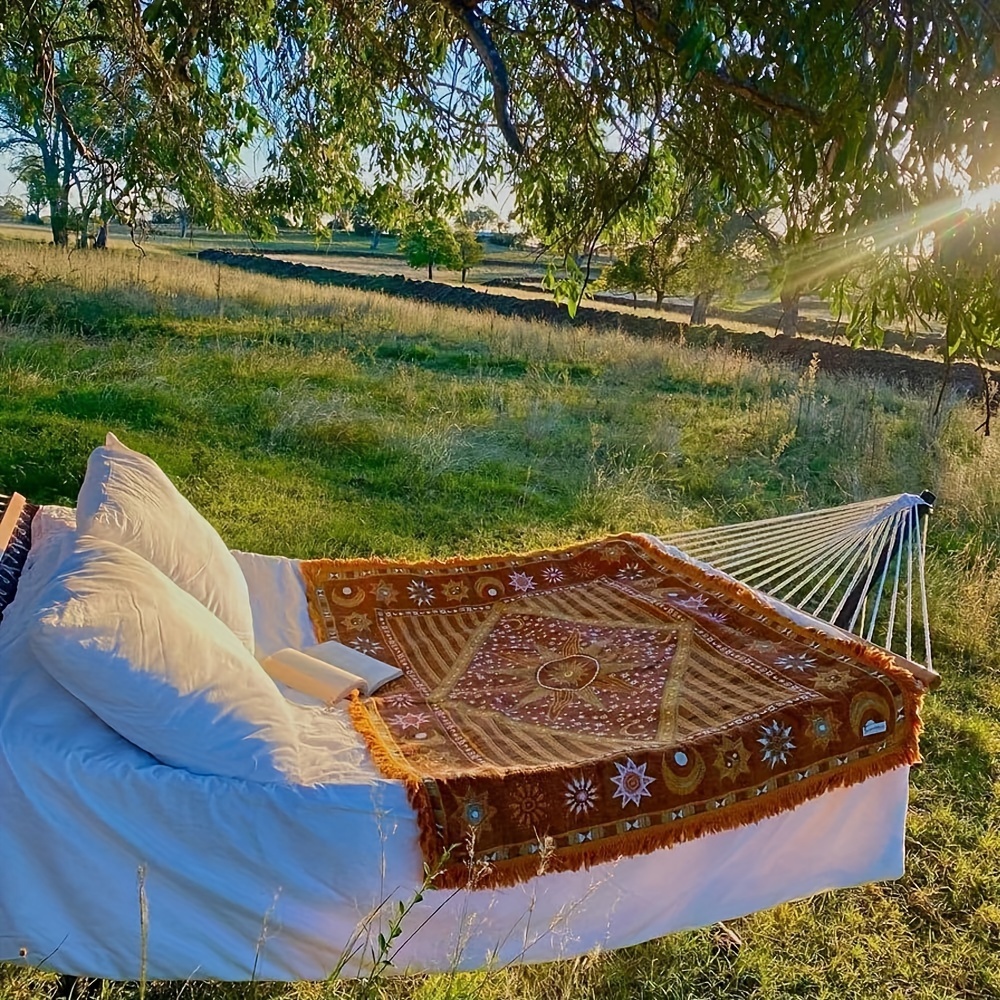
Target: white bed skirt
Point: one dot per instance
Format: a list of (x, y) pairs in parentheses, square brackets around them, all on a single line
[(274, 882)]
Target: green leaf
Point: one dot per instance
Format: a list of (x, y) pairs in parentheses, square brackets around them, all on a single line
[(152, 13)]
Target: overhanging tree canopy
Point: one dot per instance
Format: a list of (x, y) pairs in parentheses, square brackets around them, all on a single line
[(869, 109)]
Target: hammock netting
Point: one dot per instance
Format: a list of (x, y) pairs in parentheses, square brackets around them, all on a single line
[(859, 566)]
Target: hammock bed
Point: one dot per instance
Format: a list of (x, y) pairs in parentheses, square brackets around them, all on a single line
[(589, 747)]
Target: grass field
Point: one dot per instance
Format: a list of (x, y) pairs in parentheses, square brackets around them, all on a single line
[(306, 420), (756, 309)]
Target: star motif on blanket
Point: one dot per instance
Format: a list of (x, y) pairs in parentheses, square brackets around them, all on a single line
[(732, 759), (833, 681), (367, 645), (630, 571), (521, 582), (356, 622), (631, 782), (796, 661), (567, 673), (411, 721), (776, 743), (385, 593), (696, 602), (615, 553), (454, 590), (421, 593), (474, 810), (821, 728)]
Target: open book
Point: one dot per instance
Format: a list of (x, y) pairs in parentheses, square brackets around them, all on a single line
[(329, 671)]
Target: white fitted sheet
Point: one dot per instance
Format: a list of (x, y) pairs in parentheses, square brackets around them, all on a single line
[(276, 882)]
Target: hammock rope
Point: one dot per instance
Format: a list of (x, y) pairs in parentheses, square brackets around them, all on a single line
[(859, 567)]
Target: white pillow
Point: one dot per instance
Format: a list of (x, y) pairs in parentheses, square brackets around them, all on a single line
[(127, 498), (160, 668)]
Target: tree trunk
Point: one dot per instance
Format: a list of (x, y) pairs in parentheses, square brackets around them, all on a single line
[(699, 310), (65, 180), (430, 271), (464, 270), (789, 322), (58, 194), (85, 230), (635, 300), (659, 298), (376, 236), (59, 218)]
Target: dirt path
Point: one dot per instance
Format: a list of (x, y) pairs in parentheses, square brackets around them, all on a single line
[(890, 366)]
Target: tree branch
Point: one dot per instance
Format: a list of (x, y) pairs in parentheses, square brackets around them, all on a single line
[(476, 32)]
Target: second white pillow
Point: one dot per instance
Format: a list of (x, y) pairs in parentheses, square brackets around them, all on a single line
[(126, 498), (159, 668)]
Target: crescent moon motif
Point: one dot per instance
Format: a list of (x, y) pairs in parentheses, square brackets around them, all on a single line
[(345, 593), (490, 587), (692, 766)]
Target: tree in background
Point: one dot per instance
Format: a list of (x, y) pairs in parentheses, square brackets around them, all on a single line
[(65, 154), (627, 273), (46, 155), (720, 261), (28, 169), (470, 250), (172, 210), (431, 243), (363, 224), (703, 249), (11, 209), (804, 210), (573, 103), (481, 217), (91, 189), (647, 268)]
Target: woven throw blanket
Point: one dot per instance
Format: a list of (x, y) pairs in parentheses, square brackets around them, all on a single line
[(568, 707)]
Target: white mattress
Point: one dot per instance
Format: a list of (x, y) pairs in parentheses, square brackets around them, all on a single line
[(270, 882)]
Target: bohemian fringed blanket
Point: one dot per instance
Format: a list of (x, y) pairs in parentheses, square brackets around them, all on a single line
[(564, 708)]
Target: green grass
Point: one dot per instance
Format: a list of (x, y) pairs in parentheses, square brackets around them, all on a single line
[(306, 420)]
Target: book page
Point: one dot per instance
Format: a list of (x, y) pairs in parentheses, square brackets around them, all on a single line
[(312, 676), (375, 672)]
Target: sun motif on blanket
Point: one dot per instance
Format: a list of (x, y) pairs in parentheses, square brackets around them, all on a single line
[(567, 672)]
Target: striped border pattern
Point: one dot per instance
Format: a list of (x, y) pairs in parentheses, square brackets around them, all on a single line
[(15, 553)]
